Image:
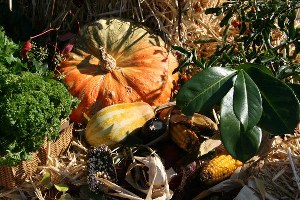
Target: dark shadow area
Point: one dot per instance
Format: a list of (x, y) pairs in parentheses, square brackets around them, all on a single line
[(17, 26)]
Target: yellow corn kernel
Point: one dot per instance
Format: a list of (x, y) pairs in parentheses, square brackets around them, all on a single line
[(218, 169), (184, 138)]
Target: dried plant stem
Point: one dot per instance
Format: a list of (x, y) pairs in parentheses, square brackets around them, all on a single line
[(216, 116), (297, 179), (208, 28), (3, 194), (10, 5), (282, 171), (121, 192)]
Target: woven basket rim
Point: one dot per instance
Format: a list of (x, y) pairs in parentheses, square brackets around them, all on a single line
[(13, 176)]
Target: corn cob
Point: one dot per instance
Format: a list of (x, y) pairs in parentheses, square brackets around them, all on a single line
[(100, 165), (218, 169), (189, 132), (185, 139)]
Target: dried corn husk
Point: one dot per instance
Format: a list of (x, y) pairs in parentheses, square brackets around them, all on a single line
[(209, 145), (197, 134), (147, 175), (151, 172)]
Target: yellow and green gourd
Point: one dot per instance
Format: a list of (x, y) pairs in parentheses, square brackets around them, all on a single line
[(114, 123)]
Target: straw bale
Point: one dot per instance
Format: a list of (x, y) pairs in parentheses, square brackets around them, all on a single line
[(276, 168), (178, 22)]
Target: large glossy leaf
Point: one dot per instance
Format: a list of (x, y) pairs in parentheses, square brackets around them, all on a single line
[(204, 90), (296, 89), (247, 103), (247, 66), (242, 145), (280, 104)]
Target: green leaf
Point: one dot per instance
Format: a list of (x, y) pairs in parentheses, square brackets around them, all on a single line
[(281, 22), (66, 196), (280, 104), (243, 28), (242, 145), (181, 50), (215, 10), (291, 23), (267, 58), (226, 31), (204, 90), (46, 180), (226, 58), (226, 19), (61, 187), (296, 89), (205, 40), (247, 103), (254, 65)]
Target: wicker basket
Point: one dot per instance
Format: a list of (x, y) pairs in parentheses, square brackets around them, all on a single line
[(12, 177)]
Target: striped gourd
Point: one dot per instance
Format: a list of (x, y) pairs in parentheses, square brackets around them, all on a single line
[(112, 124)]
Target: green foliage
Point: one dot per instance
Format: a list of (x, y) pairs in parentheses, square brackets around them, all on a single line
[(61, 187), (32, 108), (252, 78), (10, 52), (215, 82), (32, 105), (280, 104), (36, 62), (239, 142), (248, 98), (255, 42), (46, 180), (246, 102)]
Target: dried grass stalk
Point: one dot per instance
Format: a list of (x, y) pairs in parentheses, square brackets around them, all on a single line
[(178, 22), (279, 168)]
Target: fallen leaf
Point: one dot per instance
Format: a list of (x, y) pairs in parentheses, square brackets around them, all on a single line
[(257, 185), (247, 193), (224, 186)]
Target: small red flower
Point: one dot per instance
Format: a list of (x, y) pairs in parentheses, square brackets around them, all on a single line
[(25, 49)]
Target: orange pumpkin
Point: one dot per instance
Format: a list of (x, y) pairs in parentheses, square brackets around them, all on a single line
[(117, 61)]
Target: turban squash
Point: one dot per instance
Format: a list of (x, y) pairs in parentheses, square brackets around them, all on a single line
[(117, 61)]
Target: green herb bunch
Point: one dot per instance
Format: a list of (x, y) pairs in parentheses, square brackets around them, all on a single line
[(32, 106), (252, 80), (10, 52)]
